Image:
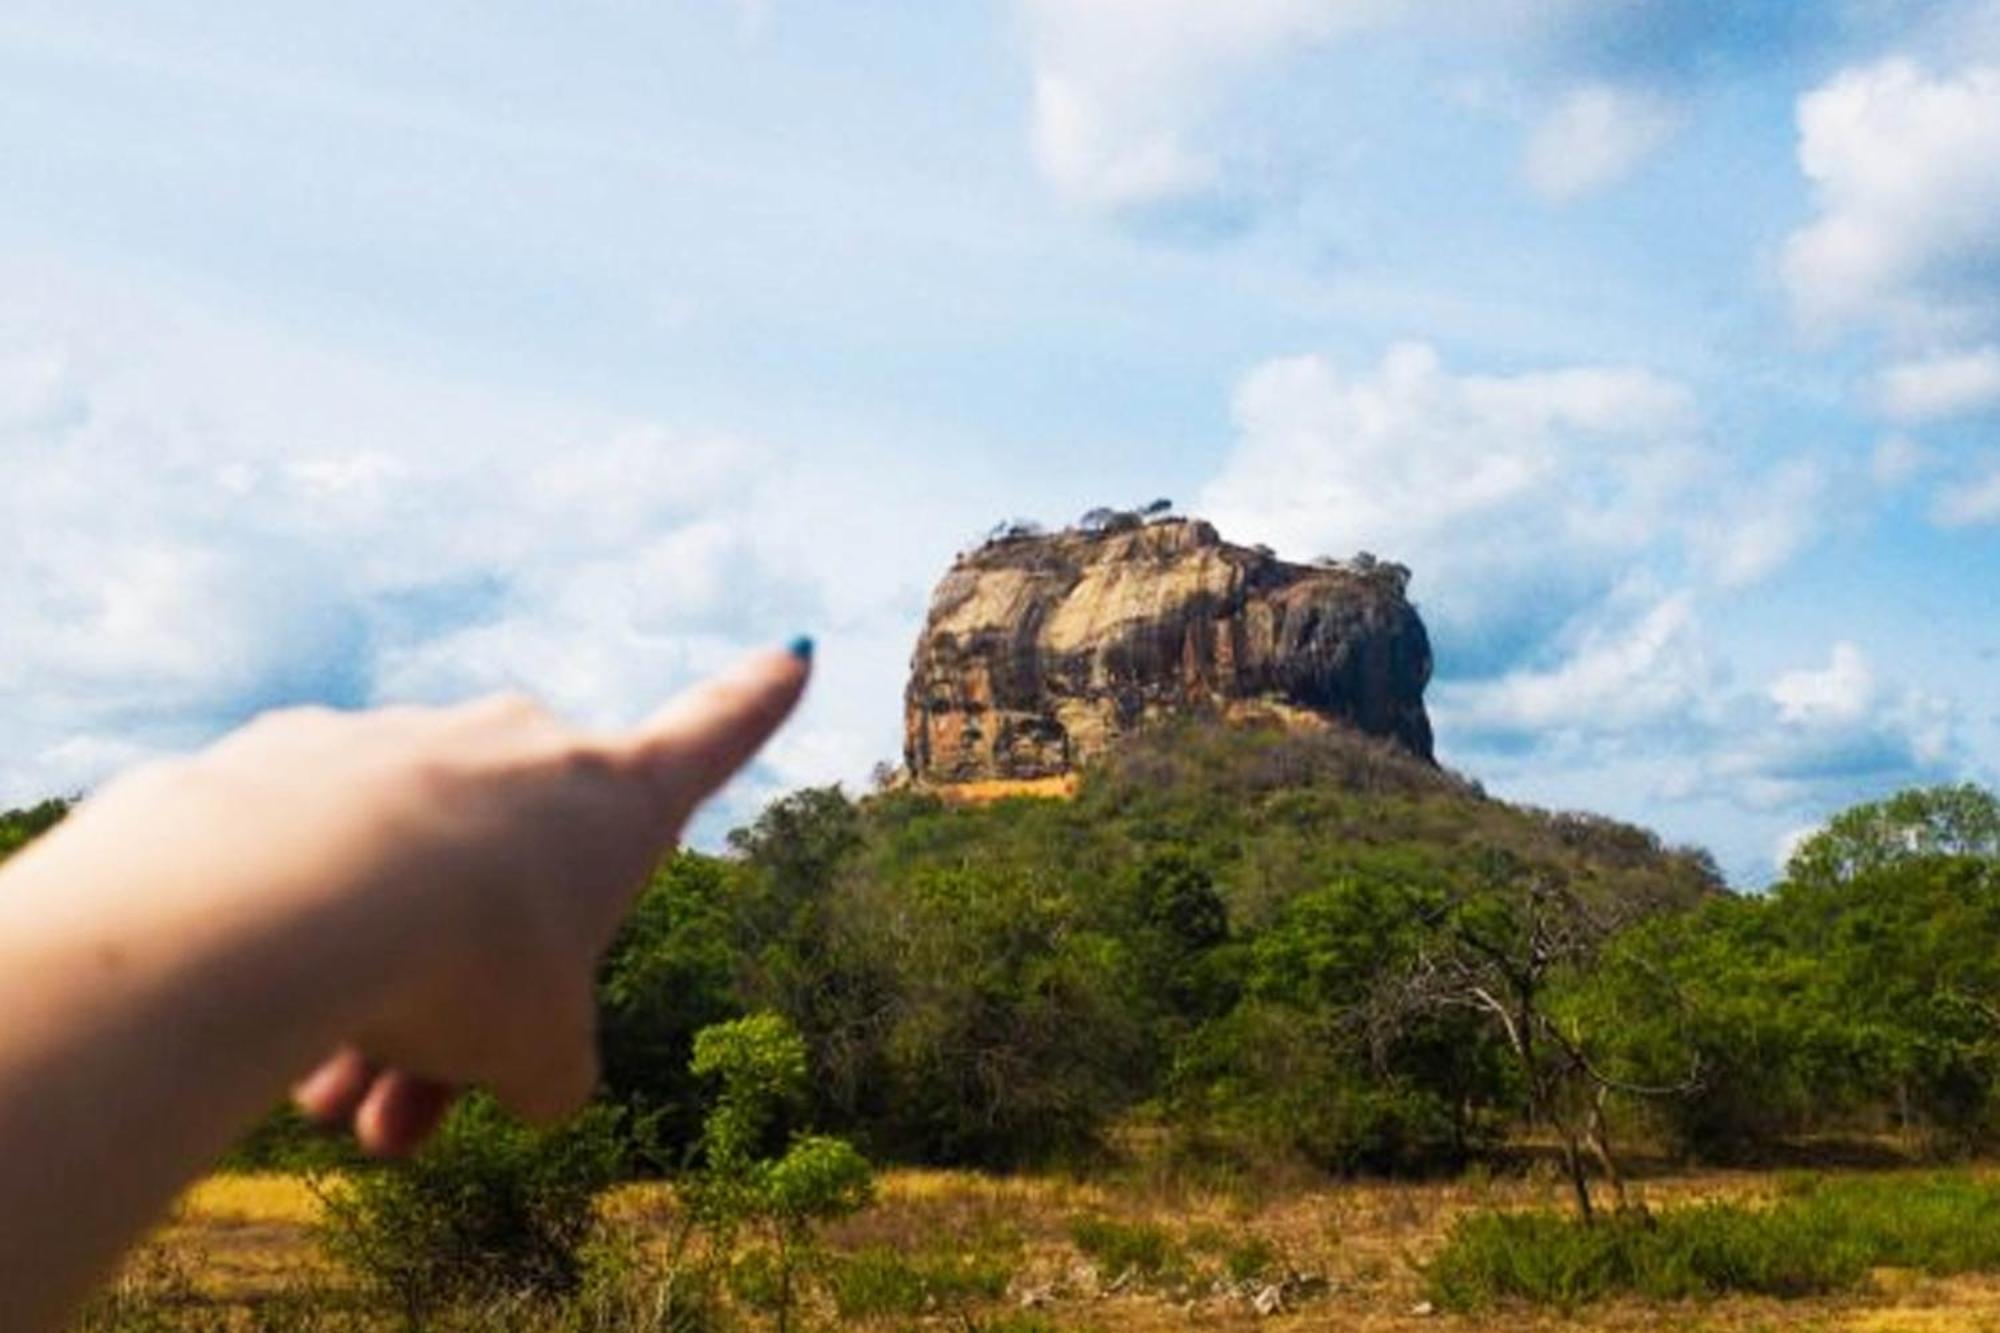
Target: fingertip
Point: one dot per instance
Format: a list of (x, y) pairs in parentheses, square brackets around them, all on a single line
[(693, 745)]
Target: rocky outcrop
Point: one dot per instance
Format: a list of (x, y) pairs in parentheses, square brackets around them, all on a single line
[(1040, 650)]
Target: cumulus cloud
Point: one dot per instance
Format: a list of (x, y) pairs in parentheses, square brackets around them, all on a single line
[(1836, 733), (1595, 136), (1905, 170), (1521, 501), (1622, 677), (1936, 387), (1124, 89), (209, 521)]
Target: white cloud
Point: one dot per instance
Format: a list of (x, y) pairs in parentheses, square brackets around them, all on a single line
[(1975, 500), (1124, 89), (204, 519), (1521, 501), (1935, 387), (1896, 458), (1830, 735), (1618, 679), (1905, 169), (1749, 530), (1840, 692), (1595, 136)]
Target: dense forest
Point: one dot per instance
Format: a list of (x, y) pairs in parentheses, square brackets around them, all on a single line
[(1251, 944)]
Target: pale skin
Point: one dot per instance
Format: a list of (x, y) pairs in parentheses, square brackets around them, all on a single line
[(374, 910)]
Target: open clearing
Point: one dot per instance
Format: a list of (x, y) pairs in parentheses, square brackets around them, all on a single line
[(1344, 1255)]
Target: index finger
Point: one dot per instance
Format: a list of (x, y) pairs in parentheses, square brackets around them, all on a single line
[(696, 743)]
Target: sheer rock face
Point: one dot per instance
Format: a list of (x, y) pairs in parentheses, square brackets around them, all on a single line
[(1039, 651)]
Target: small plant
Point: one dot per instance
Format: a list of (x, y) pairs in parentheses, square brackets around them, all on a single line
[(1251, 1259), (742, 1184), (882, 1281), (1118, 1247), (489, 1207)]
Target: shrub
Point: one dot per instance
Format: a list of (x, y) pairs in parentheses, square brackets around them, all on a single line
[(489, 1207), (1552, 1259), (1821, 1236), (1120, 1247), (882, 1281), (1253, 1258), (744, 1183), (1942, 1223)]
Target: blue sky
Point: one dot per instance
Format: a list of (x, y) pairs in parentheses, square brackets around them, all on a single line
[(382, 352)]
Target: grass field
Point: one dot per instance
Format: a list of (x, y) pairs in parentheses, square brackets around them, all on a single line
[(1050, 1253)]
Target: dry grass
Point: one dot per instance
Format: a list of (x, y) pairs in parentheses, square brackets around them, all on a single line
[(247, 1235)]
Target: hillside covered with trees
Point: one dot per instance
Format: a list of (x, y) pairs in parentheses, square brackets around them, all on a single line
[(1313, 946)]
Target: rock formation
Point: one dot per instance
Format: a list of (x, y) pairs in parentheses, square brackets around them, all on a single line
[(1040, 650)]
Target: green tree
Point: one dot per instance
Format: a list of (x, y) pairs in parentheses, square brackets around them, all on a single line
[(1958, 821), (671, 972), (745, 1182)]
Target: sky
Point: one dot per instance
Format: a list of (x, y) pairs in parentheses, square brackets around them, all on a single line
[(386, 352)]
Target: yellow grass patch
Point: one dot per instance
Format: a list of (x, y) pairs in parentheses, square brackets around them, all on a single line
[(226, 1199), (1058, 788)]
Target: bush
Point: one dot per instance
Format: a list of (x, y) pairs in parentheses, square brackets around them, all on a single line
[(1942, 1223), (1821, 1236), (488, 1208), (744, 1182), (882, 1281), (1121, 1247), (1553, 1259)]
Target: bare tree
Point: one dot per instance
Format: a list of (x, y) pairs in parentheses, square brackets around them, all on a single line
[(1500, 954)]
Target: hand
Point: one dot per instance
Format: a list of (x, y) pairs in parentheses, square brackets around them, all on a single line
[(485, 854)]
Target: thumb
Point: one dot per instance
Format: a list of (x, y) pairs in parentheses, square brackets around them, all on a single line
[(694, 744)]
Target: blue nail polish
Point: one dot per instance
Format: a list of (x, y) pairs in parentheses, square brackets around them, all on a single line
[(802, 648)]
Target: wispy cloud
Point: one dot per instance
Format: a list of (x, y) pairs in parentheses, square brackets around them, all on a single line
[(1594, 137)]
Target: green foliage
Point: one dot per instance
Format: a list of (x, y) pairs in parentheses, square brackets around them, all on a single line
[(745, 1183), (1863, 992), (1141, 1248), (1821, 1236), (20, 827), (1954, 821), (880, 1281), (1551, 1259), (1249, 1259), (1203, 932), (488, 1207), (671, 972)]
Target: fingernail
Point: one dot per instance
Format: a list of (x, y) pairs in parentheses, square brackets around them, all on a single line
[(802, 648)]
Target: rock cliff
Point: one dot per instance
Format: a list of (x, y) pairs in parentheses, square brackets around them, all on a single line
[(1039, 650)]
